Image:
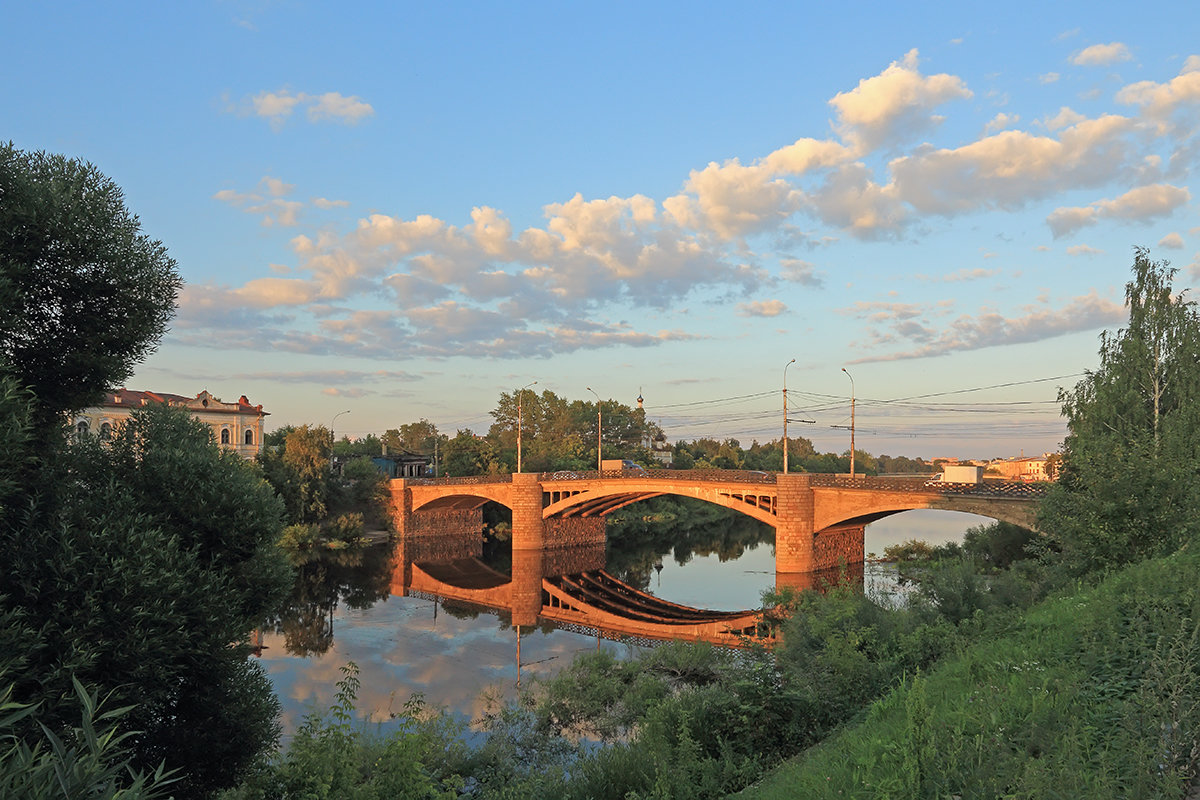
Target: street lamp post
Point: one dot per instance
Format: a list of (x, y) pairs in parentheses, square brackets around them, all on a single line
[(599, 428), (785, 419), (851, 377), (332, 439), (520, 396)]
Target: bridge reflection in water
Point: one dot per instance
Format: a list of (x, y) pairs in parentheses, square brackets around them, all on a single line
[(566, 587)]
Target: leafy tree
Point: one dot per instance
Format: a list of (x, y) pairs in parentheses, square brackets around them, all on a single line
[(133, 566), (468, 454), (1128, 485), (307, 454), (369, 445), (414, 437), (84, 294), (277, 437), (139, 565)]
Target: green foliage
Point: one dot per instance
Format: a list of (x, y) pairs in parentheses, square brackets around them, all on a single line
[(84, 294), (300, 537), (138, 565), (424, 753), (1129, 484), (1093, 694), (16, 430), (307, 455), (346, 529), (421, 438), (88, 760), (365, 491)]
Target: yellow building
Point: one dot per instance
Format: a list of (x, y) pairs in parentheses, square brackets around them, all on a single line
[(235, 426), (1024, 468)]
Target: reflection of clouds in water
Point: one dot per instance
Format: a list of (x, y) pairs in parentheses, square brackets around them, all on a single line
[(401, 647), (401, 650)]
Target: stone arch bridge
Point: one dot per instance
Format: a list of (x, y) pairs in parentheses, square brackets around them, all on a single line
[(819, 519)]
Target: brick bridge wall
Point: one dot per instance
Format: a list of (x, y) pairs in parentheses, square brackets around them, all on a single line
[(818, 519)]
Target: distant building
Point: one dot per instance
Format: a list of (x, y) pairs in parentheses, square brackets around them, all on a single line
[(402, 465), (235, 426), (391, 465), (1023, 468)]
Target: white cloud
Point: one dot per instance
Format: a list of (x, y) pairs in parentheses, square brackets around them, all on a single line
[(1171, 241), (276, 107), (990, 329), (1102, 54), (344, 391), (1001, 121), (795, 270), (851, 200), (894, 105), (268, 200), (1049, 77), (1140, 204), (964, 274), (337, 107), (1160, 100), (1010, 168), (1083, 250), (321, 202), (732, 200), (762, 308)]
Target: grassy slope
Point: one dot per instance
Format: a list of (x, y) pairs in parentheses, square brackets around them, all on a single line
[(1089, 695)]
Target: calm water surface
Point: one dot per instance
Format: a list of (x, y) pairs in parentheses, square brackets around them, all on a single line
[(462, 659)]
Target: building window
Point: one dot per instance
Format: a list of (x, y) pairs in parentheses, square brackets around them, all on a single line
[(82, 429), (249, 437), (105, 431), (225, 436)]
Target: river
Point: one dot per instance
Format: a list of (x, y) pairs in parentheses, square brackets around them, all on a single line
[(463, 658)]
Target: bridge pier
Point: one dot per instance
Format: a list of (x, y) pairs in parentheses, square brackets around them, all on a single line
[(528, 529), (526, 587), (794, 523), (402, 504)]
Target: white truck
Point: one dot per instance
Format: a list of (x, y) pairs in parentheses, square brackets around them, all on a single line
[(624, 465), (958, 473)]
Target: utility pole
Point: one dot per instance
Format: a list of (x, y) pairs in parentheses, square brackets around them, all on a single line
[(599, 428), (520, 396), (785, 419), (851, 377)]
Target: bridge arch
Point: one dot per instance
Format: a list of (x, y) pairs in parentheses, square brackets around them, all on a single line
[(470, 496), (757, 502), (1016, 512)]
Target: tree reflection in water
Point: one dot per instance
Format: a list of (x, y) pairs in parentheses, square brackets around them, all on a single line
[(358, 577), (640, 535)]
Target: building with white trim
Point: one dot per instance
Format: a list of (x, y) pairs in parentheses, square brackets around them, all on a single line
[(235, 426)]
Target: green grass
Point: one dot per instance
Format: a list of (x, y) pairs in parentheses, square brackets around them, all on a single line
[(1089, 695)]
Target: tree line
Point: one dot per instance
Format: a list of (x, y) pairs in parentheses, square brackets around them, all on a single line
[(557, 434)]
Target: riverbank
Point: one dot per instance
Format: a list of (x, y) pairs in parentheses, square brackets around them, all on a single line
[(1093, 694)]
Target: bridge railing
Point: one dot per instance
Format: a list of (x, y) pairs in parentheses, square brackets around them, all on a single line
[(916, 483), (923, 483), (466, 479), (715, 475)]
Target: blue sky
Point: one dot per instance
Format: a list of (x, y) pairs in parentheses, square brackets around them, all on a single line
[(403, 210)]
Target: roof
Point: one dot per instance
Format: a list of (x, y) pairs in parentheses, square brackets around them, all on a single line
[(125, 398)]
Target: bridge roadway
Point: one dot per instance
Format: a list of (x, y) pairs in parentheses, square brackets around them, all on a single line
[(819, 519)]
